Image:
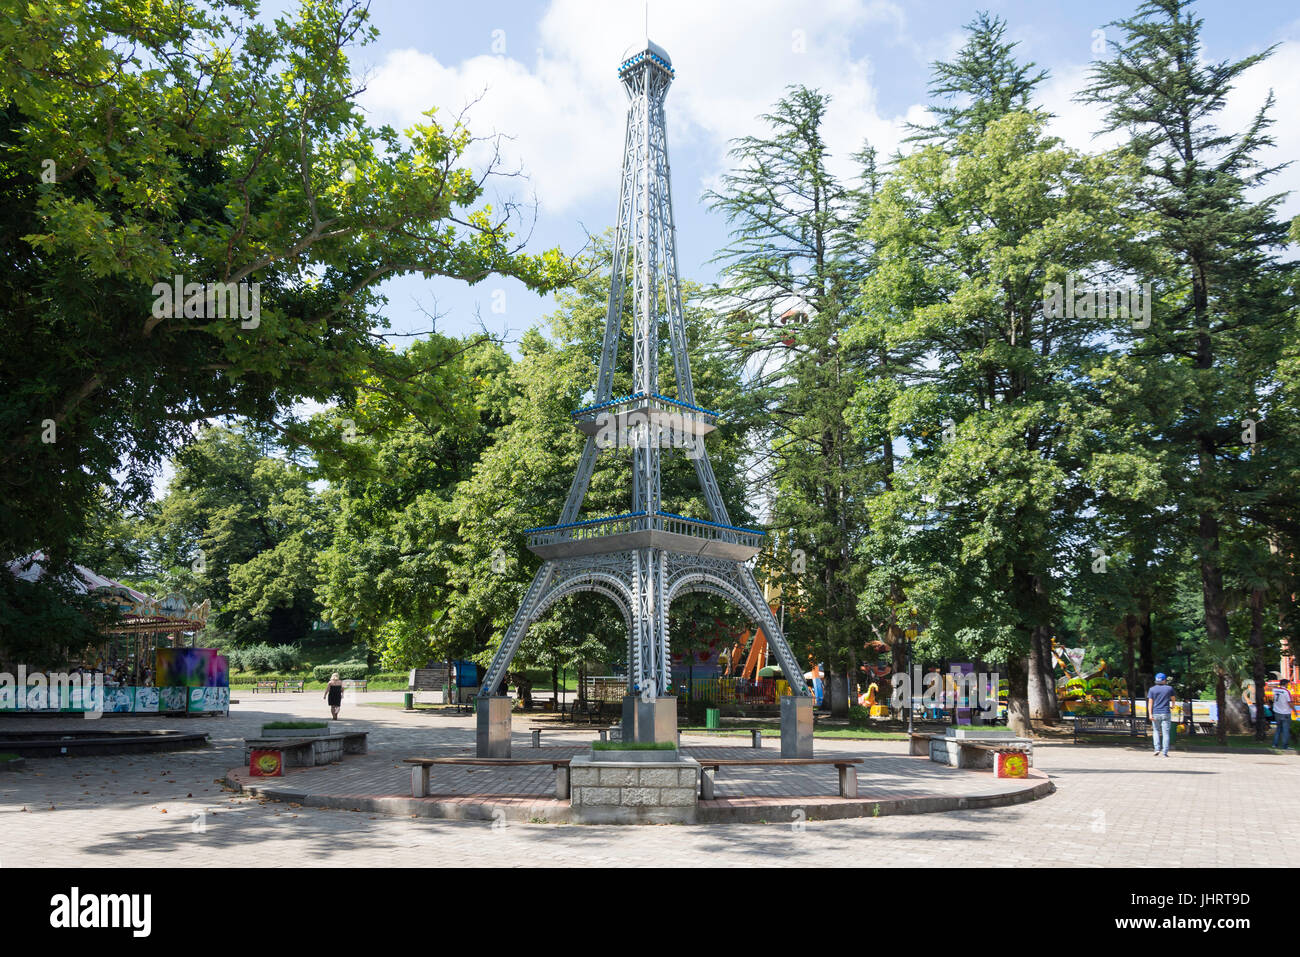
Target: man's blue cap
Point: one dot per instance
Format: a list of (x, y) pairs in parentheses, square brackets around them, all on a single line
[(1160, 677)]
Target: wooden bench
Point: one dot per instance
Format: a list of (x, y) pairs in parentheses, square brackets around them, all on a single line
[(266, 686), (420, 772), (538, 729), (755, 734), (295, 686), (848, 773), (355, 684)]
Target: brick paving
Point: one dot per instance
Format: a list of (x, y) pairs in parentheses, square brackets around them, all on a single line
[(1113, 807)]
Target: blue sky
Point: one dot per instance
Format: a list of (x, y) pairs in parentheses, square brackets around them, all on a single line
[(543, 74)]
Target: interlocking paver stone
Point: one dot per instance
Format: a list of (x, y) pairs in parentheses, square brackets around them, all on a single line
[(1113, 808)]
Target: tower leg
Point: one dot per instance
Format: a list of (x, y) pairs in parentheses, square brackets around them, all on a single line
[(515, 633)]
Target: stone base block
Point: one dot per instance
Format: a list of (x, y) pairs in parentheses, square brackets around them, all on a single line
[(614, 792), (950, 750)]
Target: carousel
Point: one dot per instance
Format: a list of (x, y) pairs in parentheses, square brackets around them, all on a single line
[(146, 659)]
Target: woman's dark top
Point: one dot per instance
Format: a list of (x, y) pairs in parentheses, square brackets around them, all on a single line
[(335, 695)]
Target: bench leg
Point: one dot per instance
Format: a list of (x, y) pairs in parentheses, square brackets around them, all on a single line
[(537, 738), (706, 783), (604, 734), (420, 781), (848, 781), (756, 738), (562, 782)]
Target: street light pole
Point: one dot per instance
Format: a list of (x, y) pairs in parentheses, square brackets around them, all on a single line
[(908, 685), (1187, 690)]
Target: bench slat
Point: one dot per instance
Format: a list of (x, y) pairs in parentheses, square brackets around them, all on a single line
[(488, 762), (776, 762)]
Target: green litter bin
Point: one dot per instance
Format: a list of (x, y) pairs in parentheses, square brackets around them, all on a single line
[(710, 717), (408, 701)]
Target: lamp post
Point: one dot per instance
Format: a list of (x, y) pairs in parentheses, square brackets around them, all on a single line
[(1186, 682)]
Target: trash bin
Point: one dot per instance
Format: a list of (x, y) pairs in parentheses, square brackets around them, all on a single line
[(710, 717), (408, 701)]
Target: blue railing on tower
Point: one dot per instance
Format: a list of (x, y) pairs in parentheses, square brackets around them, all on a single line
[(622, 400), (643, 521)]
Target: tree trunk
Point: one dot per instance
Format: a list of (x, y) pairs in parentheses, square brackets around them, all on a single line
[(1130, 659), (1147, 665), (837, 692), (1258, 666), (1018, 717), (852, 677), (1042, 681)]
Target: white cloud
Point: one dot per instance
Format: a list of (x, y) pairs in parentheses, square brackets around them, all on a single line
[(565, 111)]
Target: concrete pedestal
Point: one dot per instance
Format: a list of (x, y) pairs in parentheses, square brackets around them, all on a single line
[(627, 731), (797, 726), (663, 790), (493, 735), (656, 720)]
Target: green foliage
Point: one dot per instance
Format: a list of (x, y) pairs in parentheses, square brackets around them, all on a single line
[(633, 746), (277, 658), (859, 717), (347, 671), (143, 141)]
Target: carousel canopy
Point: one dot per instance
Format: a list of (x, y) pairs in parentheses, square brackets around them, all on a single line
[(140, 614)]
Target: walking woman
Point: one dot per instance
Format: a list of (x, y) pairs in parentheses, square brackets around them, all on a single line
[(334, 695)]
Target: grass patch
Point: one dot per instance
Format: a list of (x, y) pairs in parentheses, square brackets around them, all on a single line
[(293, 725), (633, 746), (8, 757)]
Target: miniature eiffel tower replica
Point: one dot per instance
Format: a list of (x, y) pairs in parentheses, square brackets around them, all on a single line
[(645, 557)]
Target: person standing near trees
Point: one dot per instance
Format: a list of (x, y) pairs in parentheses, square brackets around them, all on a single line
[(1282, 715), (1160, 699), (334, 695)]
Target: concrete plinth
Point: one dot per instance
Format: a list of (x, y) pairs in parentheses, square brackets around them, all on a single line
[(493, 736), (627, 731), (797, 726), (656, 720), (948, 748), (663, 791)]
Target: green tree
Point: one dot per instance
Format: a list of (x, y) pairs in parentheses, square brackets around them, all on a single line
[(142, 141), (790, 271), (1210, 361), (986, 508), (242, 529)]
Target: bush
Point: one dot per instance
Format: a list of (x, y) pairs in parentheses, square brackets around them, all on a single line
[(859, 717), (264, 657), (347, 670)]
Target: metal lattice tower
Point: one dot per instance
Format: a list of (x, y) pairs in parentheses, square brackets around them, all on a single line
[(646, 557)]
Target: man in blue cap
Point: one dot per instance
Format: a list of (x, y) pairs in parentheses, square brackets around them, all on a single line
[(1282, 715), (1160, 701)]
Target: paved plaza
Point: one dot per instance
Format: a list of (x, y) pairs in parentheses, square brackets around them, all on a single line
[(1113, 807)]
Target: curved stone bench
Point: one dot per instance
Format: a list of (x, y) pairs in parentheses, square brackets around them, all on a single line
[(302, 751)]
